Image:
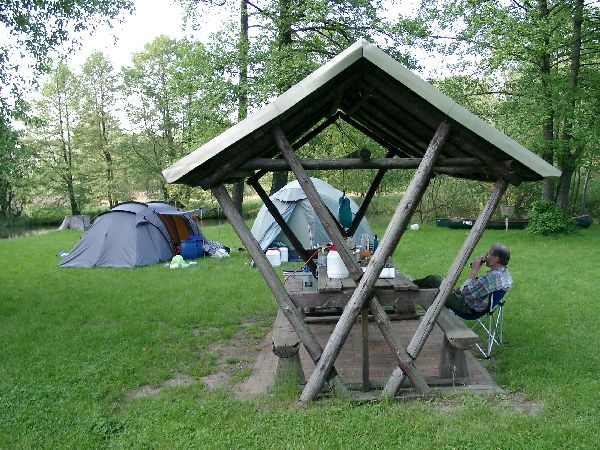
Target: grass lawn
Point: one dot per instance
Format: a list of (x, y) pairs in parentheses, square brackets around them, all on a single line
[(74, 343)]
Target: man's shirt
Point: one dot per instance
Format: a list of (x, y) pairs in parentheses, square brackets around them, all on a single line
[(475, 292)]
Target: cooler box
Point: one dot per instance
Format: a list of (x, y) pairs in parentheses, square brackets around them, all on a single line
[(299, 281)]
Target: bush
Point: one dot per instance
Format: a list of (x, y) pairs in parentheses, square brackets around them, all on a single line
[(547, 218)]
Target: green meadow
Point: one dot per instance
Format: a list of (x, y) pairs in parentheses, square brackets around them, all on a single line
[(76, 343)]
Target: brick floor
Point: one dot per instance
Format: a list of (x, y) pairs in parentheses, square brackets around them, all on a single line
[(381, 360)]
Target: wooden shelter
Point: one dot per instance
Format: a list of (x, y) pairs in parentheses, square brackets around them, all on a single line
[(420, 128)]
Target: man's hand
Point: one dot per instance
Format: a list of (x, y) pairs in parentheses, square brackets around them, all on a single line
[(475, 265)]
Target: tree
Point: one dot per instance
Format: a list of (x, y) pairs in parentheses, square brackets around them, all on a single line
[(14, 165), (98, 86), (177, 101), (539, 57), (37, 27), (53, 137), (290, 39)]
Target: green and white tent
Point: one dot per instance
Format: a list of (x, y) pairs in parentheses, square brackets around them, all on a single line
[(292, 204)]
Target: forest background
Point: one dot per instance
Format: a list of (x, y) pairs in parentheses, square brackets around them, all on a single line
[(95, 135)]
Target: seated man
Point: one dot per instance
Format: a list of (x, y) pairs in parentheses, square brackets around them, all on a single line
[(473, 296)]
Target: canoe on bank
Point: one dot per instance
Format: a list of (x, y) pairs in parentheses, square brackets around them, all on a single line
[(515, 224), (492, 224)]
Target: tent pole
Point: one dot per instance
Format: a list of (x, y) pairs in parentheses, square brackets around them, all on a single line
[(289, 309), (448, 283)]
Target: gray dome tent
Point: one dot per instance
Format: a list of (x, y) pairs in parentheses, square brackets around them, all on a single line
[(132, 234), (295, 208)]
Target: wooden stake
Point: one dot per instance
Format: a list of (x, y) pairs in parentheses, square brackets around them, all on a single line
[(388, 243), (448, 283), (364, 322), (282, 297)]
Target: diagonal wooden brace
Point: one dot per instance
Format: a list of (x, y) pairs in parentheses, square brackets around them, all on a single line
[(390, 240), (321, 210), (291, 312), (430, 318), (383, 322)]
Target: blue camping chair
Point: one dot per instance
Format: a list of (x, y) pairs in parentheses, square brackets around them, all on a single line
[(493, 329)]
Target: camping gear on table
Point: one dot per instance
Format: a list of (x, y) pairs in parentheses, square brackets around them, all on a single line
[(335, 266), (296, 210), (133, 234)]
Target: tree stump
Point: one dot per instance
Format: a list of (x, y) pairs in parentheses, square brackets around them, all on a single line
[(80, 222)]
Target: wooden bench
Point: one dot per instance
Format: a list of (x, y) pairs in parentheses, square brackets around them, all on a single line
[(457, 338)]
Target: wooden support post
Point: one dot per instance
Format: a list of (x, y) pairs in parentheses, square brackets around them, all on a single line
[(299, 143), (285, 228), (364, 322), (291, 312), (356, 272), (453, 362), (430, 318), (315, 131), (286, 347), (388, 243), (497, 167)]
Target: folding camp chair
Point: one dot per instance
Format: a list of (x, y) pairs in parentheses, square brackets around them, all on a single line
[(493, 328)]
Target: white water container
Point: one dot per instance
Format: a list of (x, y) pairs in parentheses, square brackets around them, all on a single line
[(284, 253), (274, 256), (335, 265)]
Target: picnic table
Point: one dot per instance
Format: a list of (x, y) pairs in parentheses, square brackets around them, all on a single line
[(326, 293), (318, 298)]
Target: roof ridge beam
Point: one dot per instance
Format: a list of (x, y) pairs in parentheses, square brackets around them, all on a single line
[(280, 165)]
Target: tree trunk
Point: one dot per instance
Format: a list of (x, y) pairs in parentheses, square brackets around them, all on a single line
[(574, 192), (284, 38), (238, 187), (548, 124), (110, 179), (568, 162), (72, 199), (588, 173), (562, 192), (280, 179), (165, 193), (110, 176)]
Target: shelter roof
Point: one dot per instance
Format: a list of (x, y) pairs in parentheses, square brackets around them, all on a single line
[(376, 94)]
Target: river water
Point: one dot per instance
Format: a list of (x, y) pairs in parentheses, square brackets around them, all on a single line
[(12, 233)]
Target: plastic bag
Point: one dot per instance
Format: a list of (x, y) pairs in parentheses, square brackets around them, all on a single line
[(220, 253)]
